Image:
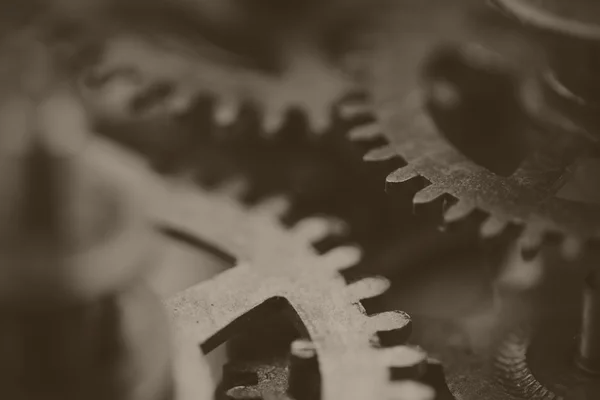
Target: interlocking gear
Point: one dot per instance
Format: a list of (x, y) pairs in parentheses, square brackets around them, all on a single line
[(147, 75), (272, 265), (309, 84), (277, 264), (413, 121)]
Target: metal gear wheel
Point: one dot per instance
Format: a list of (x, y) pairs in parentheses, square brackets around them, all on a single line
[(413, 122), (144, 74), (273, 266), (277, 264), (176, 78), (155, 57)]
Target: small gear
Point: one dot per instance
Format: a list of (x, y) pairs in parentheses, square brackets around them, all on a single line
[(277, 264)]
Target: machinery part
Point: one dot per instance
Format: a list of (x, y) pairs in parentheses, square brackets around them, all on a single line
[(459, 314), (170, 79), (414, 127), (165, 53), (144, 76), (541, 357), (273, 267)]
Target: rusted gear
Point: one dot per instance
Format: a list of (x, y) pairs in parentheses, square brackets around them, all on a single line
[(277, 264), (414, 122)]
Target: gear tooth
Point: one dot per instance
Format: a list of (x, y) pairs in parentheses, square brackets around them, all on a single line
[(365, 132), (572, 248), (380, 154), (318, 121), (355, 109), (272, 122), (517, 272), (303, 367), (427, 195), (226, 112), (532, 237), (391, 322), (492, 227), (180, 102), (458, 211), (278, 206), (341, 258), (244, 392), (410, 390), (368, 288), (314, 229), (403, 174), (409, 362), (236, 188)]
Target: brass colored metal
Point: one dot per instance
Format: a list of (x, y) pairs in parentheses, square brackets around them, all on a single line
[(277, 266)]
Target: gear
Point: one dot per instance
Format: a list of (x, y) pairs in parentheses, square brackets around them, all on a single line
[(272, 266), (416, 126), (145, 76), (177, 78)]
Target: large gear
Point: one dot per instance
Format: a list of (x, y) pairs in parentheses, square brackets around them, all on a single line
[(188, 75), (411, 120), (276, 264), (273, 266), (145, 75)]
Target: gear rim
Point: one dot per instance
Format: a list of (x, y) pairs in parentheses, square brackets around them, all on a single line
[(522, 198), (277, 281), (344, 354), (189, 75)]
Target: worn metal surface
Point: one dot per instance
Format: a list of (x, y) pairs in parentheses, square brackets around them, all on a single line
[(273, 267), (466, 100)]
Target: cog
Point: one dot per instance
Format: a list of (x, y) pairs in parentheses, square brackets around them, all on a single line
[(413, 122), (144, 75), (273, 266), (277, 264)]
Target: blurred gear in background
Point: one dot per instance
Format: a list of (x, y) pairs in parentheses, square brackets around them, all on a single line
[(277, 59)]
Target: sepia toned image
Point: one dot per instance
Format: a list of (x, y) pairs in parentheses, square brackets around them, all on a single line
[(300, 200)]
